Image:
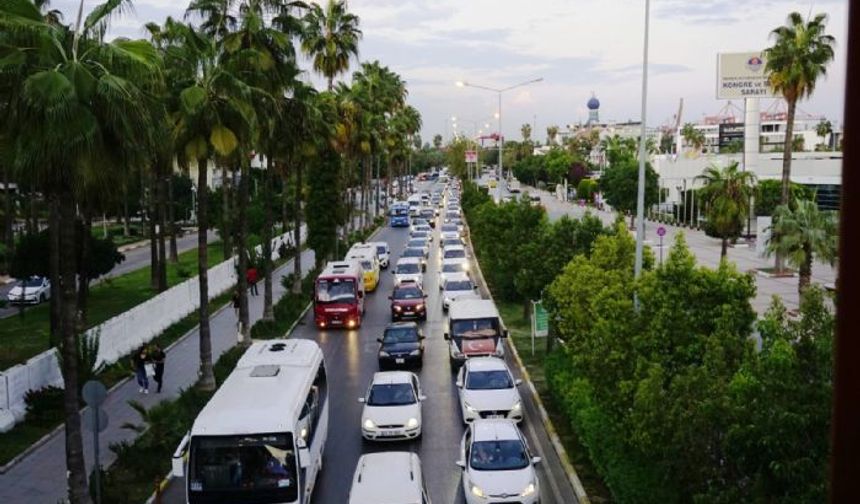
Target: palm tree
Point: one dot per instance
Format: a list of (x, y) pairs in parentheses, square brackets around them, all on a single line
[(822, 129), (437, 141), (727, 193), (69, 131), (526, 131), (802, 233), (331, 38), (795, 62), (693, 136), (551, 133)]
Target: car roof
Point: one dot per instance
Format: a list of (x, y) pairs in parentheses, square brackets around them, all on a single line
[(454, 260), (455, 247), (408, 260), (391, 377), (486, 364), (387, 478), (457, 277), (400, 325), (494, 429)]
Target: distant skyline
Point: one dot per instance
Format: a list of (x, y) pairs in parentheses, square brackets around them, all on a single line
[(577, 46)]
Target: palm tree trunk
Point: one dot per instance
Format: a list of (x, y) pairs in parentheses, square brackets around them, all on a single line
[(171, 217), (242, 249), (227, 238), (161, 201), (54, 268), (297, 233), (77, 477), (724, 250), (207, 375), (268, 311), (785, 197), (8, 217), (805, 272), (152, 220), (126, 227)]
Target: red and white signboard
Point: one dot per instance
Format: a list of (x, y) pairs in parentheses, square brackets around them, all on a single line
[(471, 156)]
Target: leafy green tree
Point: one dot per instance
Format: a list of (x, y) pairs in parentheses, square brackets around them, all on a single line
[(767, 195), (437, 141), (822, 129), (331, 38), (558, 162), (727, 193), (586, 190), (803, 234), (798, 58), (324, 211), (620, 183), (551, 134), (526, 132)]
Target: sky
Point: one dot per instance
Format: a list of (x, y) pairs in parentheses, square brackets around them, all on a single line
[(578, 47)]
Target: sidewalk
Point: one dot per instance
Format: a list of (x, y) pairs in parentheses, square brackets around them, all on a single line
[(41, 476), (706, 250)]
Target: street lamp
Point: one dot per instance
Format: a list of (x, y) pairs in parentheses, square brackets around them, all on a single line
[(499, 92), (640, 197)]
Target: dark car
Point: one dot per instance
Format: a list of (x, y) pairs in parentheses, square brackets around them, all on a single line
[(402, 344), (408, 301)]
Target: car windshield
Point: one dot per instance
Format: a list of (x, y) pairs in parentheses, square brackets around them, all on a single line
[(391, 394), (420, 243), (397, 211), (489, 380), (454, 253), (450, 228), (380, 250), (419, 234), (367, 265), (408, 292), (452, 268), (475, 328), (498, 455), (459, 285), (451, 241), (408, 268), (400, 335), (336, 291), (225, 464), (32, 282), (413, 252)]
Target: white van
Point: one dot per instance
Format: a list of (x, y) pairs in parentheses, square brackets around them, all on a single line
[(261, 436), (390, 477)]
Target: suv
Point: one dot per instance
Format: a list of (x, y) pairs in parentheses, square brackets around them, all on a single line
[(408, 300), (391, 477), (497, 464), (408, 269), (383, 253), (401, 344)]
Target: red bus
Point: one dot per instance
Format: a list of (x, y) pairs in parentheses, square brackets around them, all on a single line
[(339, 296)]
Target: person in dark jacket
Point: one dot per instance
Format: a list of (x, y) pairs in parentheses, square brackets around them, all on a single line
[(138, 362), (157, 355)]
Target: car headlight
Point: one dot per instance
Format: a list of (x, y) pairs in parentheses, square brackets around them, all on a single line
[(477, 492), (528, 490), (419, 307), (369, 425), (415, 352), (518, 406), (384, 354), (397, 308), (412, 423), (469, 408), (465, 266)]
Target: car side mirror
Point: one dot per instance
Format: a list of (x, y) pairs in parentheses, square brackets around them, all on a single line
[(425, 296), (518, 382), (505, 333), (391, 297), (178, 460), (459, 383), (461, 464), (536, 460), (422, 397), (361, 400), (446, 336), (379, 340)]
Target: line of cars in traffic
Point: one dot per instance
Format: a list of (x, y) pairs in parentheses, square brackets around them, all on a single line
[(261, 437)]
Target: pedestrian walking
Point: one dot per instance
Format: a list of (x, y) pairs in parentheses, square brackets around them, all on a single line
[(157, 355), (138, 362), (236, 303), (252, 280)]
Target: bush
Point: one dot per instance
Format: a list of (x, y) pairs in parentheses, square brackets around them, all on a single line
[(586, 189), (44, 406)]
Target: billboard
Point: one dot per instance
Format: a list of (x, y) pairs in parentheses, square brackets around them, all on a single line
[(730, 132), (742, 75)]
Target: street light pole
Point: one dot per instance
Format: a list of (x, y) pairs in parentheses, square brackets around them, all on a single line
[(640, 198)]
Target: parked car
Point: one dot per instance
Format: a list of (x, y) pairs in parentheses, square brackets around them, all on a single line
[(391, 477), (408, 301), (401, 344), (33, 290), (487, 389), (497, 464), (392, 407)]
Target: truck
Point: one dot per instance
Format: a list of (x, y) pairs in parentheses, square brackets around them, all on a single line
[(474, 329), (339, 296)]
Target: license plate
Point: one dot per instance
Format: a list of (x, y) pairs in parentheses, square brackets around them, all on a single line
[(495, 416), (399, 361), (389, 433), (336, 322)]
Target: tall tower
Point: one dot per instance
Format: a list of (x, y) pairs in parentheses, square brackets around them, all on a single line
[(593, 108)]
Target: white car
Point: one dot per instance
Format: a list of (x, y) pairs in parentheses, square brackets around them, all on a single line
[(450, 268), (455, 252), (416, 252), (390, 477), (33, 290), (383, 253), (392, 407), (488, 390), (422, 231), (408, 269), (456, 287), (422, 243), (497, 464), (449, 229)]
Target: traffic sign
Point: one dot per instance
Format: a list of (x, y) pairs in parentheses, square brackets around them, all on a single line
[(661, 231), (94, 393), (540, 319), (471, 156), (90, 419)]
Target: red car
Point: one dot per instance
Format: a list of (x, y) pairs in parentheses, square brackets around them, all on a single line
[(408, 301)]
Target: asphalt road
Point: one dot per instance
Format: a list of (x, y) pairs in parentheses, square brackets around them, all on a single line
[(134, 260), (351, 361)]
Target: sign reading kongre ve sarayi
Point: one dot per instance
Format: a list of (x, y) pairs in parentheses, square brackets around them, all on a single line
[(742, 75)]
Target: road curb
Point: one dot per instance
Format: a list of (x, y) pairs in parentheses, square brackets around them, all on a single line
[(569, 470)]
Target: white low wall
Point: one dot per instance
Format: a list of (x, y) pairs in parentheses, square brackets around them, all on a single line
[(120, 335)]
